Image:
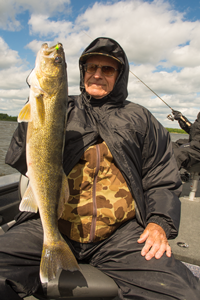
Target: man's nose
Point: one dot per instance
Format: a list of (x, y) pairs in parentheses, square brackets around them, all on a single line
[(98, 72)]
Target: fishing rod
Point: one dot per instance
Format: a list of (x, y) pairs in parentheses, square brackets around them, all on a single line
[(138, 79), (151, 90), (170, 117)]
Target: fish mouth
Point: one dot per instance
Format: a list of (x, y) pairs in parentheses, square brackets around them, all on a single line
[(50, 61), (53, 50)]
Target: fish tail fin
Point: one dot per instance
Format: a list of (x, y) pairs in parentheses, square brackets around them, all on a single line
[(28, 202), (55, 257)]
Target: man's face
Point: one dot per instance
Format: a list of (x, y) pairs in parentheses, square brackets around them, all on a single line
[(98, 85)]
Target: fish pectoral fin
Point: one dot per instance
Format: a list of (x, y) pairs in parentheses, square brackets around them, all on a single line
[(25, 113), (40, 107), (28, 202), (54, 257), (64, 195)]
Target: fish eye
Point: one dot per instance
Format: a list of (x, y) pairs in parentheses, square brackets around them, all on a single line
[(58, 59)]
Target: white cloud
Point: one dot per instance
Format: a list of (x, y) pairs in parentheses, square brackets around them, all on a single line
[(178, 89), (15, 105), (8, 57), (13, 73), (20, 94), (162, 47), (35, 45), (145, 30), (13, 78), (40, 24), (9, 10), (13, 90)]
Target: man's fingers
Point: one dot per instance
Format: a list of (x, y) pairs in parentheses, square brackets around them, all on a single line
[(143, 237), (164, 248), (161, 251), (156, 250), (152, 249), (156, 243), (169, 251), (146, 247)]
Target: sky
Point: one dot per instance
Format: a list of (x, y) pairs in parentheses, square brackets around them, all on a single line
[(160, 38)]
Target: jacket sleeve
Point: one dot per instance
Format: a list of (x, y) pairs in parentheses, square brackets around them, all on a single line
[(16, 154), (195, 132), (161, 182), (185, 124)]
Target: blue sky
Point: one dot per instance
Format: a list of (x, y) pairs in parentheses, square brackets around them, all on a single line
[(161, 39)]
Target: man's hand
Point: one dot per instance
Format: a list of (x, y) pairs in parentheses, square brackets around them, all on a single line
[(177, 114), (156, 242)]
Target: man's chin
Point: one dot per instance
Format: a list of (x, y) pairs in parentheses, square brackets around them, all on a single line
[(97, 94)]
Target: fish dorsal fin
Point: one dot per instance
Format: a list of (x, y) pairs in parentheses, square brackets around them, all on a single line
[(64, 195), (25, 113), (28, 202)]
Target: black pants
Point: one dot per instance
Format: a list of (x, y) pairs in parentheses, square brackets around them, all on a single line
[(118, 256), (186, 154)]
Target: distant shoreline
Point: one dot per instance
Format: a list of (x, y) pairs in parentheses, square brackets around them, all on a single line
[(5, 117), (176, 130)]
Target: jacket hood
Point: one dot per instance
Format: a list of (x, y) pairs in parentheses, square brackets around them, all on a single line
[(108, 47)]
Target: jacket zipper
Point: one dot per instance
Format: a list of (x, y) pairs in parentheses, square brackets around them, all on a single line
[(94, 216)]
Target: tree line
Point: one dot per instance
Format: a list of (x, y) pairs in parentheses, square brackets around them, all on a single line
[(5, 117), (176, 130)]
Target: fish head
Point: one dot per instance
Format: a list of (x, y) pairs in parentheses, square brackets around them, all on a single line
[(50, 67)]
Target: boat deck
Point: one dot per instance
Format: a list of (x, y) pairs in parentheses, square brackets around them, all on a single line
[(188, 250)]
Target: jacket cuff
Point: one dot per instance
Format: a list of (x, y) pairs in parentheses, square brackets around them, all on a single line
[(162, 222)]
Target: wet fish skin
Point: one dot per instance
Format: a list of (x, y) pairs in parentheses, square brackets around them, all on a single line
[(48, 188)]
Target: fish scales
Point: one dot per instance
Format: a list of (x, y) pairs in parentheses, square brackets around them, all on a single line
[(48, 185)]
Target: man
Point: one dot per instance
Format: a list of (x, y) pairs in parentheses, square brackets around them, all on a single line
[(124, 188), (187, 151)]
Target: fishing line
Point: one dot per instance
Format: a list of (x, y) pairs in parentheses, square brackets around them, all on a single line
[(138, 78), (87, 34), (169, 116), (150, 89)]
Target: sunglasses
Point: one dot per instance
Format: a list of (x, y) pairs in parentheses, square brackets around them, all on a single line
[(106, 70)]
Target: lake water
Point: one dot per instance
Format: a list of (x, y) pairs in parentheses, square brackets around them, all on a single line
[(6, 131)]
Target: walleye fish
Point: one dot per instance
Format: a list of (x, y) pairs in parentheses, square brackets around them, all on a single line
[(48, 188)]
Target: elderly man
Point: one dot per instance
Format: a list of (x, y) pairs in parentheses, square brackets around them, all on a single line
[(124, 188)]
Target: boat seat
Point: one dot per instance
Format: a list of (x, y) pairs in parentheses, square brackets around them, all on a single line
[(9, 183), (194, 171), (90, 283)]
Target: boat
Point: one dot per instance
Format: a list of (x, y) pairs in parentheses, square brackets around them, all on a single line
[(92, 283)]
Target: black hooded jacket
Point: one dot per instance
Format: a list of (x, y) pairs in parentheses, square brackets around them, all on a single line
[(140, 145)]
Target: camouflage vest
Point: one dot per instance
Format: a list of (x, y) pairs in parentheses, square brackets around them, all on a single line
[(99, 201)]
